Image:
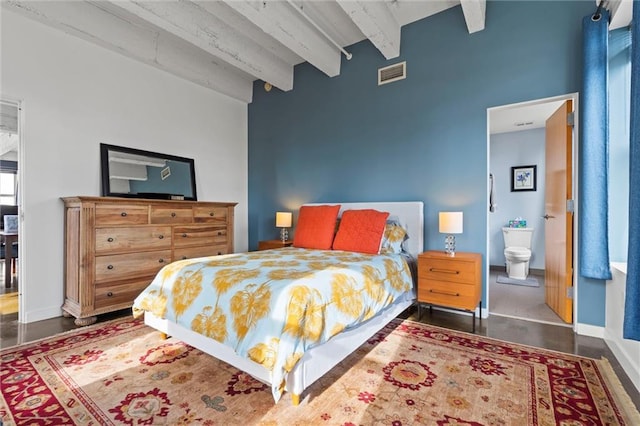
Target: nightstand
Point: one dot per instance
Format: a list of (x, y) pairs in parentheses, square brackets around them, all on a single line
[(273, 244), (450, 281)]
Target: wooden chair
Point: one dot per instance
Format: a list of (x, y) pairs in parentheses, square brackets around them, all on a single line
[(14, 264)]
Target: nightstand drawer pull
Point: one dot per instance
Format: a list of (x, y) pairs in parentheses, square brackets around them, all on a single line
[(448, 293), (444, 271)]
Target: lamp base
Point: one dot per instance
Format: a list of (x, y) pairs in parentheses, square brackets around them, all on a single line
[(450, 245), (284, 234)]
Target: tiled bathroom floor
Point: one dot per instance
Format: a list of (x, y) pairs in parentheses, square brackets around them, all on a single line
[(518, 301)]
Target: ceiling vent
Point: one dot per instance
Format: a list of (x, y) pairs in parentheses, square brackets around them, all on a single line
[(392, 73)]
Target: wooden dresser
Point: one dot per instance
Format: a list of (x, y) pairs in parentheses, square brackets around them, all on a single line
[(450, 281), (115, 246)]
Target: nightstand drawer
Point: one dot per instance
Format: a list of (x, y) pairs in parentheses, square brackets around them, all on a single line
[(452, 270), (445, 294)]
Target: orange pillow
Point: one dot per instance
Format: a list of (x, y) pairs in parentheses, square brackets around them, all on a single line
[(316, 227), (360, 231)]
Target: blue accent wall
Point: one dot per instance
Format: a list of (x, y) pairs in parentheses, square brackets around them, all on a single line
[(423, 138)]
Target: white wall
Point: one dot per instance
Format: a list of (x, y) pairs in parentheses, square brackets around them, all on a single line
[(627, 351), (75, 96), (522, 148)]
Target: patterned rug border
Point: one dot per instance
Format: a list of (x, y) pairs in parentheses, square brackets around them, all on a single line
[(613, 382), (607, 373)]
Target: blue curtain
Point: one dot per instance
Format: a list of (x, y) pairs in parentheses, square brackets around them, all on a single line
[(594, 149), (631, 328)]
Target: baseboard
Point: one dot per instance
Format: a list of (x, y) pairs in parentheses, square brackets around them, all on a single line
[(629, 366), (41, 314), (590, 330)]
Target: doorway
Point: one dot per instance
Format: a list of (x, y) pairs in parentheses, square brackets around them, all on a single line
[(9, 208), (516, 139)]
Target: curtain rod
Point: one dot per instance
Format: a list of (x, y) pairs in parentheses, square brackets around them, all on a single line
[(596, 16)]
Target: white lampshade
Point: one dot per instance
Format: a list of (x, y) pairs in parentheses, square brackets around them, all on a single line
[(450, 222), (283, 219)]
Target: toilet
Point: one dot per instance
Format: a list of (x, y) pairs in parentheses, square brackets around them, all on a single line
[(517, 251)]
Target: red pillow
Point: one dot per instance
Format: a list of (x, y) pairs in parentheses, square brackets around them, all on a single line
[(360, 231), (316, 226)]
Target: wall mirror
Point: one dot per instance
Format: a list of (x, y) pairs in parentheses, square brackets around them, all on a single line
[(134, 173)]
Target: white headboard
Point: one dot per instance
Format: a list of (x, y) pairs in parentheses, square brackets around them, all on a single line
[(409, 213)]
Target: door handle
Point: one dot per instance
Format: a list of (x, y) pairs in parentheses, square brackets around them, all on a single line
[(547, 217)]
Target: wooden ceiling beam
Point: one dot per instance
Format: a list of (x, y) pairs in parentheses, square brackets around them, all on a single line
[(280, 21), (474, 14), (194, 24), (377, 23), (109, 27)]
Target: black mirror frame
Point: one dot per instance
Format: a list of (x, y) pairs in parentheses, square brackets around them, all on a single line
[(104, 163)]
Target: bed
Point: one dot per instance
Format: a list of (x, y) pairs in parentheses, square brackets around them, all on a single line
[(307, 359)]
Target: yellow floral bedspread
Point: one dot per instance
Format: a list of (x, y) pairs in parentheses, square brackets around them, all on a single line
[(271, 306)]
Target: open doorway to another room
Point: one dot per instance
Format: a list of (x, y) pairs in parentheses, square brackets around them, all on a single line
[(9, 207), (517, 178)]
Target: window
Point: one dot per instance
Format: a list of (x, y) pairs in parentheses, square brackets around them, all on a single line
[(8, 188), (619, 148)]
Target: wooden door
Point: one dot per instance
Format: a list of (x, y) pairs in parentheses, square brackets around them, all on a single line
[(558, 230)]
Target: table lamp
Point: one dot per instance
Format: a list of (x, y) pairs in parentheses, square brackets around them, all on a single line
[(450, 223), (283, 221)]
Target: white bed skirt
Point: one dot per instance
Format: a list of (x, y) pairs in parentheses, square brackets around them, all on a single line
[(313, 365)]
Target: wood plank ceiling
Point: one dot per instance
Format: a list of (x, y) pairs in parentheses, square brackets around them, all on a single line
[(225, 45)]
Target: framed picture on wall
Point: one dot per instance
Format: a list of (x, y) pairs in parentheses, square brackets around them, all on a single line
[(523, 178)]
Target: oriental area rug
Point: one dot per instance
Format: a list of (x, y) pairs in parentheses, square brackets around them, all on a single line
[(123, 373)]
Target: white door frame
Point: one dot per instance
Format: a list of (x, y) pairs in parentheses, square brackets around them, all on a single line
[(574, 98), (21, 187)]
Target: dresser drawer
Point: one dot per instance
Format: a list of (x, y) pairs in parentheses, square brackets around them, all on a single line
[(202, 251), (203, 214), (121, 214), (109, 294), (171, 214), (458, 271), (190, 236), (123, 266), (444, 293), (139, 238)]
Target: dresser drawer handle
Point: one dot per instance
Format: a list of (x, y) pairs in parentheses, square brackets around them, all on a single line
[(109, 266), (448, 293), (219, 253), (184, 235), (444, 271), (184, 257), (161, 236), (110, 294), (110, 239), (173, 214), (219, 232), (211, 214), (123, 214), (161, 260)]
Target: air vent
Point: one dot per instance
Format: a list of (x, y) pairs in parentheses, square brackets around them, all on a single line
[(392, 73)]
